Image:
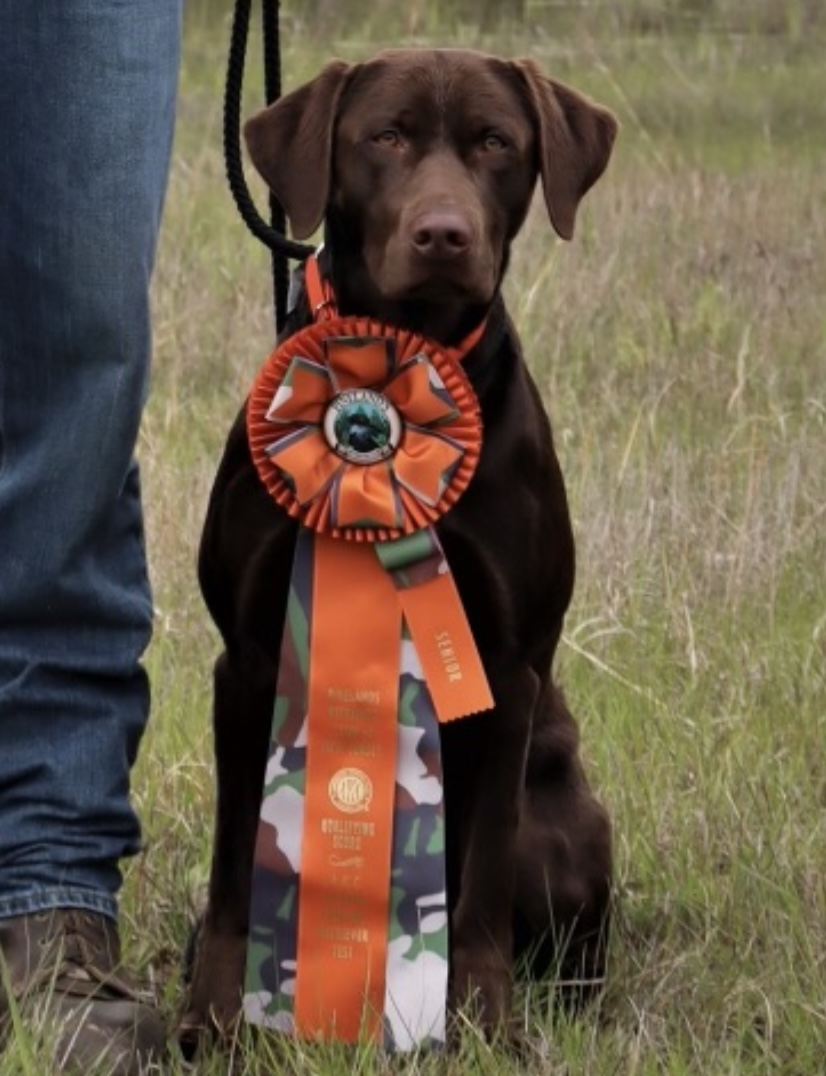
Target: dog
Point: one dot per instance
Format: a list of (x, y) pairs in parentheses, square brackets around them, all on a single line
[(422, 165)]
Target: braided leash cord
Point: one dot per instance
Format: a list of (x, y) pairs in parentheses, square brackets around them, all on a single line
[(271, 235)]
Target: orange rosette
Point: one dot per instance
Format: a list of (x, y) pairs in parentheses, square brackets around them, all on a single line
[(362, 431)]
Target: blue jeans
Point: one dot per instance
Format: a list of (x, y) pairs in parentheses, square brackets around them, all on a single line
[(87, 98)]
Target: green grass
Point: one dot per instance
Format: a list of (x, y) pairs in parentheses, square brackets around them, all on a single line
[(680, 344)]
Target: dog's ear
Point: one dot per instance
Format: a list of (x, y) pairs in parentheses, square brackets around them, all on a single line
[(575, 141), (291, 145)]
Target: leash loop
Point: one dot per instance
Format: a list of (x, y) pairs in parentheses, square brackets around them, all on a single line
[(271, 235)]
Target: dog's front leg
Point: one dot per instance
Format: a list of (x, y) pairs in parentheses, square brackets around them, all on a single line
[(485, 757), (244, 687)]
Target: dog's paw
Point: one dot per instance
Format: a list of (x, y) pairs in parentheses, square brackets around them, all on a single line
[(482, 990), (212, 1011), (192, 1034), (199, 1029)]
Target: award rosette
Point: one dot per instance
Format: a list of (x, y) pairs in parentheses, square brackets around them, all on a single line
[(366, 435)]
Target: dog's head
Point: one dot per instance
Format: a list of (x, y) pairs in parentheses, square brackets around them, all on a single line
[(423, 163)]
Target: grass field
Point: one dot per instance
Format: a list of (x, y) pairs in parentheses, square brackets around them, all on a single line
[(680, 344)]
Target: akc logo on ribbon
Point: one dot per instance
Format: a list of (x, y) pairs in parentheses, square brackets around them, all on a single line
[(367, 436), (351, 790)]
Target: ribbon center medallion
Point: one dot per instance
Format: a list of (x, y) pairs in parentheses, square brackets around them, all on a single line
[(362, 426)]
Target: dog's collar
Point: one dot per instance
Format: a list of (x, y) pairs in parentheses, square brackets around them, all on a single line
[(321, 298)]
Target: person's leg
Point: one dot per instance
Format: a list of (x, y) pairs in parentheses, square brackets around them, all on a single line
[(87, 93)]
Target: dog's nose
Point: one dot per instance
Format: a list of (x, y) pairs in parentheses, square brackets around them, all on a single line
[(442, 233)]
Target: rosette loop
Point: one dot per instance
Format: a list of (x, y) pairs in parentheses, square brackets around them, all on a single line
[(363, 432)]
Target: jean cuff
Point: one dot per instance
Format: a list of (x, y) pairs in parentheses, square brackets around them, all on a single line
[(47, 899)]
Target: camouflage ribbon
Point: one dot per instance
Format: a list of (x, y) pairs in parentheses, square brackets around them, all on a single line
[(416, 962)]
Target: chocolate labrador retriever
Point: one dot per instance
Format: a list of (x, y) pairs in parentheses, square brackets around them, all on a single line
[(422, 165)]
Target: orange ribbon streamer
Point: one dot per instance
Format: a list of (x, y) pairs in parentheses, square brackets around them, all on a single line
[(450, 661), (351, 776)]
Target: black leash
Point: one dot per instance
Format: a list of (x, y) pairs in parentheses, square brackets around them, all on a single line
[(273, 234)]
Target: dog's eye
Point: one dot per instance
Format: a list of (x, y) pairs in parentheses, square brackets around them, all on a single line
[(493, 142), (388, 137)]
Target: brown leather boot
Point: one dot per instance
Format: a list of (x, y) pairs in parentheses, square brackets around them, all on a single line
[(66, 964)]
